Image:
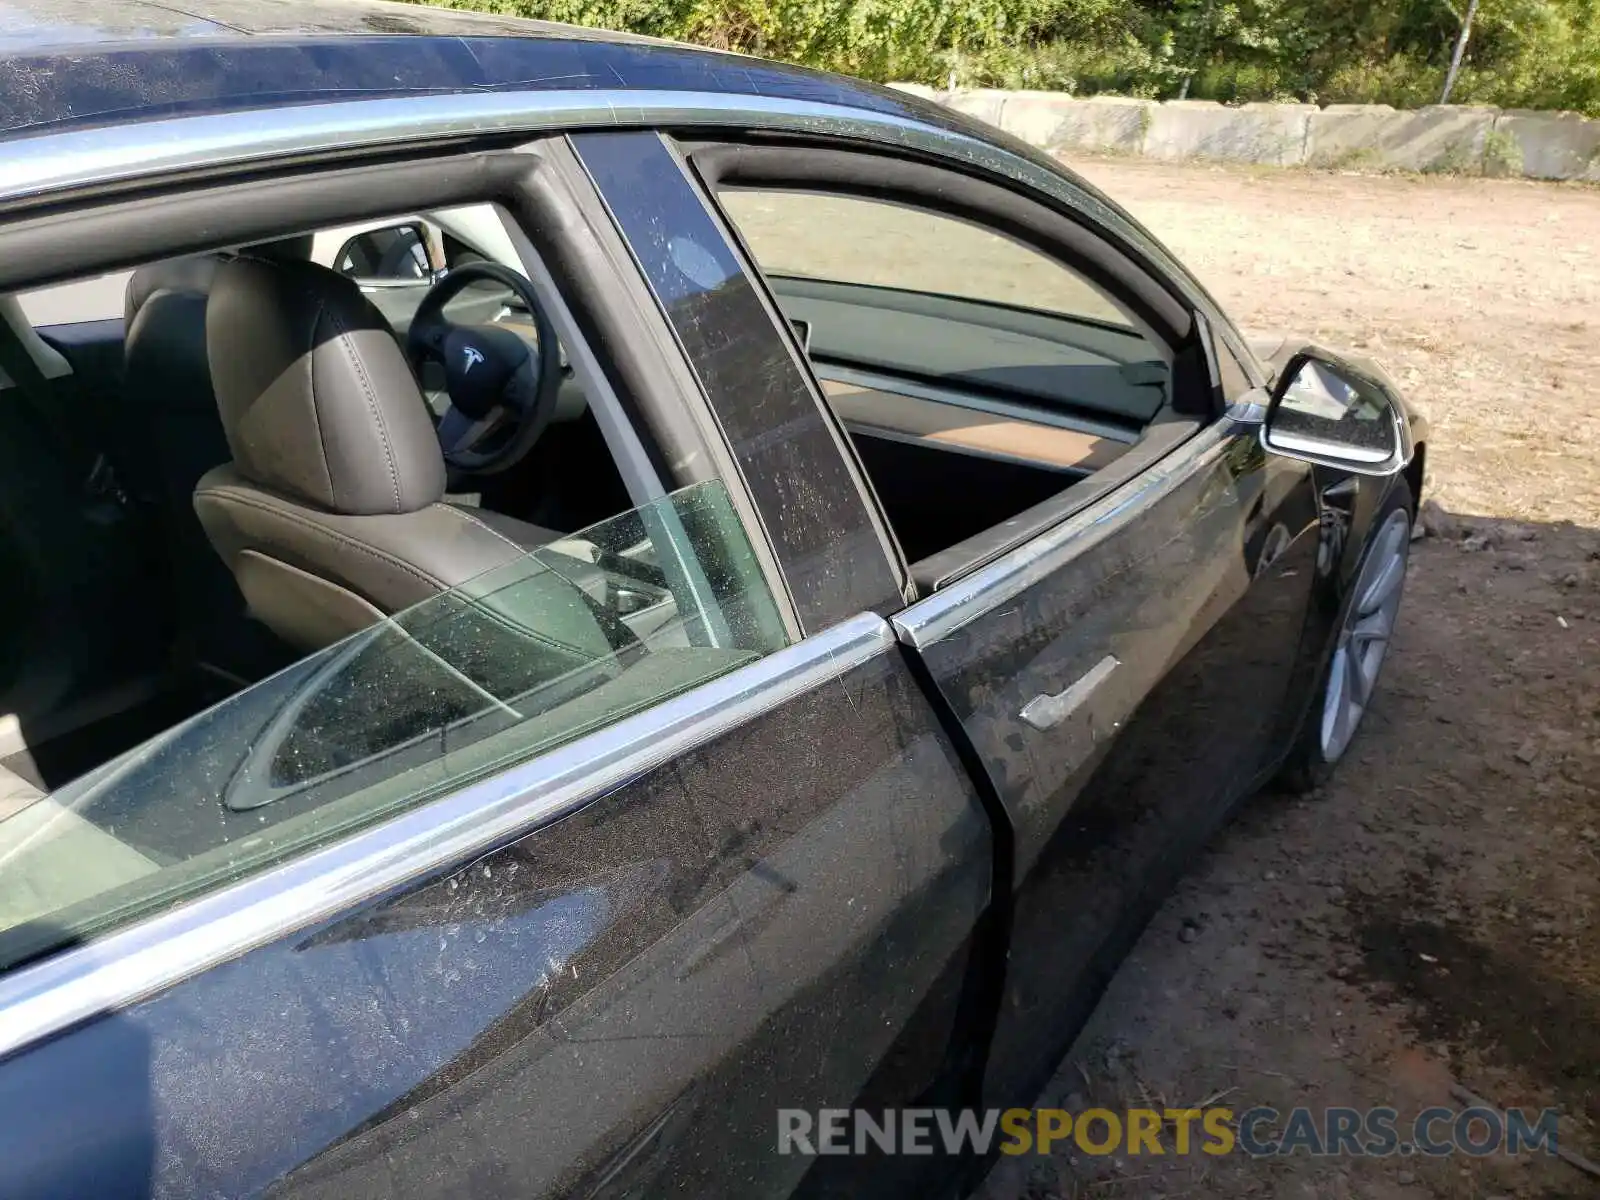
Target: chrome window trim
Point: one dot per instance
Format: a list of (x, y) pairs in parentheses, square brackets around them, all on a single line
[(142, 959), (963, 601), (58, 162)]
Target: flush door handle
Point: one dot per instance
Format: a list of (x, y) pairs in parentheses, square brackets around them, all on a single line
[(1050, 709)]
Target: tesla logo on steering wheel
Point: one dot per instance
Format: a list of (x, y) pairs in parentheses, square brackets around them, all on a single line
[(472, 356)]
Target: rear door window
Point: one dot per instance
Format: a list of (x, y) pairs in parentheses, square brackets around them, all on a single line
[(570, 638)]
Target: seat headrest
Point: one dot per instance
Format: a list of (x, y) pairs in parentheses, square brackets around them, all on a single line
[(289, 248), (194, 272), (315, 394)]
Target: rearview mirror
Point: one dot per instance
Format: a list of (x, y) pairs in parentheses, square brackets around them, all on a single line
[(1324, 412), (396, 254)]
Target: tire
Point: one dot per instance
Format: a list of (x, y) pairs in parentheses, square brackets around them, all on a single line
[(1366, 624)]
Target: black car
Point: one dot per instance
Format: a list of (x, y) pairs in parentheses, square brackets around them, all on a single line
[(566, 596)]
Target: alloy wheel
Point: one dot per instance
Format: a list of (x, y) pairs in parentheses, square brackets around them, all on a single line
[(1364, 638)]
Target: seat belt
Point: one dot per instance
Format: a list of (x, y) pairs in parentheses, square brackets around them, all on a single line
[(29, 382)]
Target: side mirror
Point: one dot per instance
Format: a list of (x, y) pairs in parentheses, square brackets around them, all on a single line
[(395, 254), (1325, 412)]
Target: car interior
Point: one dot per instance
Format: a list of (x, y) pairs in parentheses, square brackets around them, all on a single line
[(111, 442), (343, 496), (283, 534)]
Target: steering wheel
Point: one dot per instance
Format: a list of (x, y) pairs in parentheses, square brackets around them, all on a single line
[(502, 389)]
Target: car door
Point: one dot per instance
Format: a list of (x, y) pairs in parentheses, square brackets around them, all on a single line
[(1114, 655), (1121, 676), (409, 920), (605, 972)]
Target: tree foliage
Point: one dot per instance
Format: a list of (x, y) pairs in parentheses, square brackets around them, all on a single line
[(1523, 53)]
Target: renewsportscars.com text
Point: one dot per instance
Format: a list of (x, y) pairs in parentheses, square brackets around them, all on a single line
[(1259, 1132)]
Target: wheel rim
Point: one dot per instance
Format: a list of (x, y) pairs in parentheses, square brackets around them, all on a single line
[(1364, 638)]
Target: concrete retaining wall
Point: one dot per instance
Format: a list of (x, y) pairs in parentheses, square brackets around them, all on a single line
[(1463, 138), (1436, 138), (1551, 145)]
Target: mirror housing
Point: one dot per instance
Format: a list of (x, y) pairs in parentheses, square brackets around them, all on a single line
[(1326, 411)]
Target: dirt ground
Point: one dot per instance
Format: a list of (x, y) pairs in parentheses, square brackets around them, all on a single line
[(1428, 920)]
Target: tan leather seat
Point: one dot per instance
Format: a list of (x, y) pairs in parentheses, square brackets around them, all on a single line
[(168, 387), (331, 513)]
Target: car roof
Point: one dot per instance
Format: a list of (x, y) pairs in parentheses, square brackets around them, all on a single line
[(75, 64), (30, 25)]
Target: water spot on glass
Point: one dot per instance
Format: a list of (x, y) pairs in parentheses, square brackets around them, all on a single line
[(696, 262)]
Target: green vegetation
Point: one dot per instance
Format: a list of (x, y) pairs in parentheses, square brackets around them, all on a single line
[(1521, 53), (1502, 153)]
